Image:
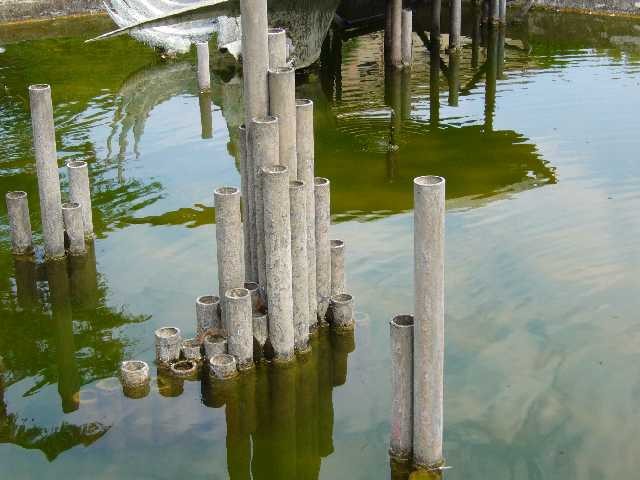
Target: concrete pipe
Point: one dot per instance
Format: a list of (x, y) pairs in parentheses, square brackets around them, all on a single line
[(73, 226), (257, 303), (401, 332), (223, 366), (299, 263), (338, 284), (204, 74), (240, 326), (407, 37), (214, 344), (428, 361), (323, 245), (277, 232), (184, 369), (208, 313), (191, 349), (277, 47), (80, 192), (168, 343), (342, 311), (19, 223), (248, 210), (282, 104), (44, 142)]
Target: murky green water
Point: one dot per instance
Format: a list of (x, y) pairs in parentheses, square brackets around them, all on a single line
[(543, 343)]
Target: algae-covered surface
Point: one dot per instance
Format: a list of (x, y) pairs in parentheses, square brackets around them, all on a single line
[(540, 152)]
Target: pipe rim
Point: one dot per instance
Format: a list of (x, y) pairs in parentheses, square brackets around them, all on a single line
[(251, 286), (39, 87), (404, 320), (134, 366), (341, 298), (275, 170), (190, 343), (76, 164), (259, 315), (237, 293), (16, 195), (304, 102), (320, 181), (276, 31), (337, 244), (214, 339), (208, 300), (226, 191), (242, 128), (222, 360), (167, 332), (266, 120), (296, 185), (183, 368), (71, 206), (281, 71), (429, 181)]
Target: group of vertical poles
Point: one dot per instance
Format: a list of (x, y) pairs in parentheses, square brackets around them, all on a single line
[(73, 218), (417, 342)]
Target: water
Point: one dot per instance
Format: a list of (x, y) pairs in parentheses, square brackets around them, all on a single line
[(542, 258)]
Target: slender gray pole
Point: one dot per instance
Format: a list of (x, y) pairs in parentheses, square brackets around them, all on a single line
[(401, 331), (207, 313), (204, 74), (337, 267), (395, 42), (240, 322), (247, 188), (323, 246), (428, 365), (80, 192), (277, 47), (503, 11), (277, 232), (407, 37), (255, 58), (19, 222), (74, 227), (299, 263), (455, 13), (44, 142), (229, 242), (263, 142), (305, 147), (282, 104)]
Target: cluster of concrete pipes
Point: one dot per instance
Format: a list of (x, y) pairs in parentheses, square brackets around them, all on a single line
[(65, 226), (280, 276), (417, 341)]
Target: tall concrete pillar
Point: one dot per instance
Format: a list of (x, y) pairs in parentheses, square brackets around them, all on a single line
[(19, 223), (255, 58), (299, 259), (282, 104), (401, 328), (277, 48), (323, 245), (80, 192), (204, 74)]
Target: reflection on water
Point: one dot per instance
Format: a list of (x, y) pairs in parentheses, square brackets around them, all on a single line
[(541, 267)]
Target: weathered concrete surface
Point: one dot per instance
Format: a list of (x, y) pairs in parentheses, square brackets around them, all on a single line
[(11, 10), (401, 332)]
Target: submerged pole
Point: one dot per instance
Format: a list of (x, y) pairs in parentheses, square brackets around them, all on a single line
[(323, 246), (19, 223), (80, 192), (305, 149), (204, 74), (394, 33), (277, 47), (263, 144), (407, 37), (277, 233), (229, 243), (428, 362), (282, 104), (455, 13), (401, 332), (240, 326), (44, 142), (73, 225), (299, 259), (255, 58), (337, 267)]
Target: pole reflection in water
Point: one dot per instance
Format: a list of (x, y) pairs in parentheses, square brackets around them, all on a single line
[(83, 276), (491, 74), (68, 375), (434, 81), (331, 65), (393, 99), (280, 417), (453, 78), (476, 33), (500, 53), (26, 282), (206, 116)]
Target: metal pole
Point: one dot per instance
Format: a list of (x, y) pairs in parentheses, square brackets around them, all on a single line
[(44, 142), (229, 243), (282, 104), (299, 262), (428, 365), (277, 233), (277, 47), (20, 223), (323, 246), (240, 326), (73, 225), (401, 331), (204, 75), (80, 192), (305, 147)]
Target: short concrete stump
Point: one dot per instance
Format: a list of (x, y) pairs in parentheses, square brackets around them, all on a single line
[(192, 350), (208, 313), (257, 301), (223, 366), (184, 368), (168, 344), (134, 376), (214, 344), (341, 311)]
